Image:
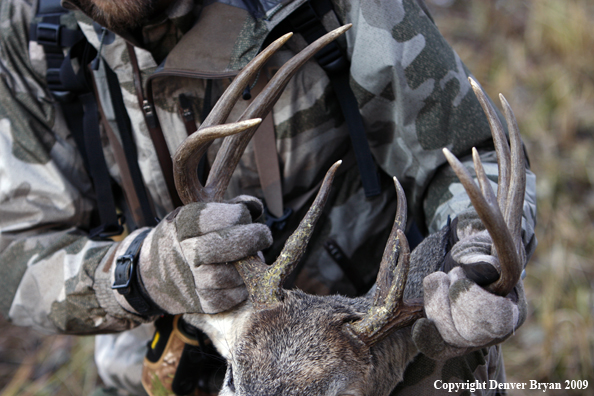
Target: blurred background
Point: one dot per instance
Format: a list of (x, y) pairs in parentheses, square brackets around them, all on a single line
[(540, 55)]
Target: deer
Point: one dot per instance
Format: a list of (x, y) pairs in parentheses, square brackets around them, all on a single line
[(287, 342)]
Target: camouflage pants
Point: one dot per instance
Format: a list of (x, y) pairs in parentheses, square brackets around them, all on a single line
[(119, 358)]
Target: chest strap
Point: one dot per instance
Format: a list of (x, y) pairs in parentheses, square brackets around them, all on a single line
[(307, 20), (266, 155), (154, 127)]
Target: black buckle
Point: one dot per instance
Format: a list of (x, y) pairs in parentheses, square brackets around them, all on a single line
[(48, 34), (123, 273), (305, 18), (53, 79), (332, 59), (277, 223), (307, 21)]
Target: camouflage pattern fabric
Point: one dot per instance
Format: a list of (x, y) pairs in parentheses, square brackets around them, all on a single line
[(412, 92)]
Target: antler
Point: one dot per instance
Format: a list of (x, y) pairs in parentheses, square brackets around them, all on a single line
[(264, 283), (505, 230), (190, 151), (389, 311)]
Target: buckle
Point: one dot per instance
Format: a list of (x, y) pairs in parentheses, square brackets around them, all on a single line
[(123, 273), (48, 34), (304, 18), (52, 77)]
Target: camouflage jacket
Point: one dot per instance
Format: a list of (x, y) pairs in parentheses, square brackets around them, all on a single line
[(412, 92)]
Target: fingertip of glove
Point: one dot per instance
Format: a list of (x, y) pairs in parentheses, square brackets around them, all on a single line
[(265, 233), (253, 205), (255, 208), (434, 280)]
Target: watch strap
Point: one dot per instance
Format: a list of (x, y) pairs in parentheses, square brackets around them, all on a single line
[(127, 279)]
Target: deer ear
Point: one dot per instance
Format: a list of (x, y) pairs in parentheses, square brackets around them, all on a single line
[(225, 328)]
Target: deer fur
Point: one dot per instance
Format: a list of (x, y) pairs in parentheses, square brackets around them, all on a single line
[(304, 346)]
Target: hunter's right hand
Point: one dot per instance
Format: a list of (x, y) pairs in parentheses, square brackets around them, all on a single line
[(184, 262)]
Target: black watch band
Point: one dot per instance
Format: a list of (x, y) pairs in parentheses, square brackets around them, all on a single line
[(127, 280)]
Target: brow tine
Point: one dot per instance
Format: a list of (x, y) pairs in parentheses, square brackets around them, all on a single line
[(188, 154), (393, 312), (264, 283)]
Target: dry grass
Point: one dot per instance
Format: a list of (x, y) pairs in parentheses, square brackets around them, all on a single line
[(540, 54), (32, 363)]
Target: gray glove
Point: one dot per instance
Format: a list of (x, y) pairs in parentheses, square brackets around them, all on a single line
[(461, 315), (184, 262)]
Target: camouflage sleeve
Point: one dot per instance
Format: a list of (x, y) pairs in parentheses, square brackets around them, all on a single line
[(415, 99), (51, 275)]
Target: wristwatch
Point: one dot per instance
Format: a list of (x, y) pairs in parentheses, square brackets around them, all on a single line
[(127, 280)]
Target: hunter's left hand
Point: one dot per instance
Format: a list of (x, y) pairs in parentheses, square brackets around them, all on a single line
[(461, 314)]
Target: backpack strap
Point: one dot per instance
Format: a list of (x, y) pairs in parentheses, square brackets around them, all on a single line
[(73, 90), (53, 37), (155, 131), (307, 20), (146, 217)]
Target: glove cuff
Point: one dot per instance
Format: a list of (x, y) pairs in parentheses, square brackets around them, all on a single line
[(127, 284), (117, 318)]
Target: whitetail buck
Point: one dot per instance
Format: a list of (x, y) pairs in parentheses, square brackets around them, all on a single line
[(285, 342)]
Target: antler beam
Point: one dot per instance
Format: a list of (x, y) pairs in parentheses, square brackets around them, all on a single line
[(505, 229)]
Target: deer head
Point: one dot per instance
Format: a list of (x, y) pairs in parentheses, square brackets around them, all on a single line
[(284, 342)]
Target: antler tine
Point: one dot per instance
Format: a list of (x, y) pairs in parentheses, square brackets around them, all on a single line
[(517, 189), (232, 148), (265, 283), (191, 150), (188, 154), (224, 105), (501, 146), (491, 217), (388, 264), (484, 183), (389, 311)]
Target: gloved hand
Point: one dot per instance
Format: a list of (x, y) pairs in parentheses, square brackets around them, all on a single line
[(184, 262), (461, 315)]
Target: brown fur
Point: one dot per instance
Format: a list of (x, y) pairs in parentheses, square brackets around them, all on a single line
[(303, 346)]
